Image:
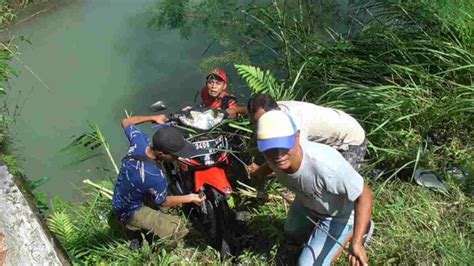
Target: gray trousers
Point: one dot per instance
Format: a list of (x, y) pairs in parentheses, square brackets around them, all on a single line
[(355, 154)]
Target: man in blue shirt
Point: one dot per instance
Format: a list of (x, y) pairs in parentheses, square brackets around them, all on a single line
[(141, 178)]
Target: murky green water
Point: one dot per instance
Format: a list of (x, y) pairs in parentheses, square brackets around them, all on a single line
[(98, 58)]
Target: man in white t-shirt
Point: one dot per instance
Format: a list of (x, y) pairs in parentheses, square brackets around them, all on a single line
[(327, 188), (319, 124), (316, 123)]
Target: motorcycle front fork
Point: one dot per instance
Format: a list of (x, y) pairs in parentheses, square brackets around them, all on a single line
[(213, 196), (203, 205)]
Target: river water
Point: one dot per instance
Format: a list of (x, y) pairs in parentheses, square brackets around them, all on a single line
[(97, 58)]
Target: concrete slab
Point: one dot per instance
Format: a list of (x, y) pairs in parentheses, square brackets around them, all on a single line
[(24, 238)]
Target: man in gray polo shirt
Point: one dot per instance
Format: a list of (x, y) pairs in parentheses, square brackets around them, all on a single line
[(327, 188)]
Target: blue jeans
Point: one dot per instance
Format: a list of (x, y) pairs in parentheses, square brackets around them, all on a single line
[(320, 249)]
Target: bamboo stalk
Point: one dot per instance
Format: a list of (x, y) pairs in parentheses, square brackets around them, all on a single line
[(106, 147), (105, 191)]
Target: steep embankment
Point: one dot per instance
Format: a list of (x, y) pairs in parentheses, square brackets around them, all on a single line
[(23, 238)]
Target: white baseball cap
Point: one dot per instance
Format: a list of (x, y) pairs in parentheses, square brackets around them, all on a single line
[(275, 129)]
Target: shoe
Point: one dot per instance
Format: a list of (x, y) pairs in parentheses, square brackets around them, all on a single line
[(431, 180), (289, 255), (369, 233)]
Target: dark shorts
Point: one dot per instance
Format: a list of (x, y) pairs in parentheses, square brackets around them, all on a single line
[(355, 154)]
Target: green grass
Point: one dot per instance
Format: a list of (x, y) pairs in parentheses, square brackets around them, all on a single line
[(418, 226), (413, 226), (6, 13)]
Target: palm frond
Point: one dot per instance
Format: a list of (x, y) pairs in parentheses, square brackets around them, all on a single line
[(87, 146), (261, 81), (106, 146)]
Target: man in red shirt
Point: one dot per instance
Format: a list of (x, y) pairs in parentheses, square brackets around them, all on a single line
[(214, 94)]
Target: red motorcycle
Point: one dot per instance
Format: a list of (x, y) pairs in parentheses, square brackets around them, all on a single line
[(205, 174)]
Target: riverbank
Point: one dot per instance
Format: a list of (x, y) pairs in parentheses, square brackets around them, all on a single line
[(24, 237), (415, 117), (95, 65)]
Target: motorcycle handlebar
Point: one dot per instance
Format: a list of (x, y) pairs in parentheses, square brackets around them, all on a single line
[(160, 106), (174, 116)]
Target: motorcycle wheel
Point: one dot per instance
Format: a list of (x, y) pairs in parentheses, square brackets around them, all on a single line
[(216, 220), (225, 228), (209, 222)]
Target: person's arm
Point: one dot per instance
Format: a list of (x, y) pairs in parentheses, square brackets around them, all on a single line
[(363, 212), (186, 109), (172, 201), (259, 174), (233, 111), (136, 120)]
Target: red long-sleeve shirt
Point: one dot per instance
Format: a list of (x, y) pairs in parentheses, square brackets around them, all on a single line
[(221, 102)]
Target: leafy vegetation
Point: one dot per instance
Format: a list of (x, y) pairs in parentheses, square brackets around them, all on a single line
[(9, 9), (6, 13), (5, 73), (407, 218), (404, 70), (417, 226)]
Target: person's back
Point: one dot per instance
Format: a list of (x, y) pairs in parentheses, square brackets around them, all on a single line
[(141, 187), (139, 176), (325, 125), (316, 123)]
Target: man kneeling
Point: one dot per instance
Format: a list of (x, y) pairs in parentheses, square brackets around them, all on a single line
[(141, 178)]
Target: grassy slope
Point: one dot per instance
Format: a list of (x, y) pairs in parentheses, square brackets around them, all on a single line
[(413, 226)]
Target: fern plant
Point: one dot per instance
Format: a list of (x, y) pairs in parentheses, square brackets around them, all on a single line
[(62, 226), (260, 81)]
